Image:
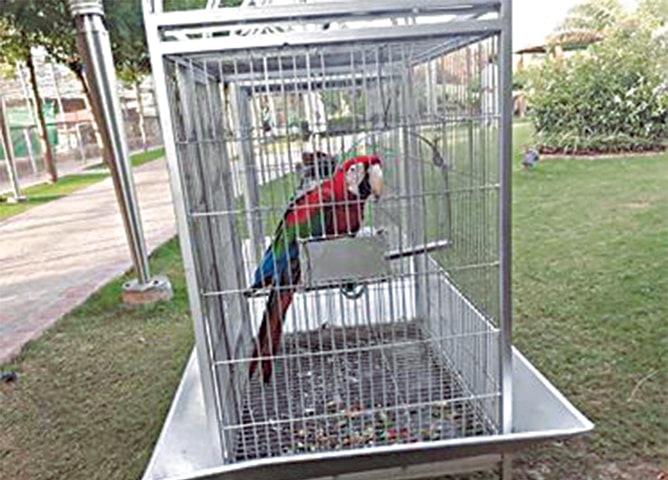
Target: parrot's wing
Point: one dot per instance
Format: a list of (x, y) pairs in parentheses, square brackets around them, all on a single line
[(303, 218)]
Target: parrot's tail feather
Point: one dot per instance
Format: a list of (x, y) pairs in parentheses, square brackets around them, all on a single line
[(271, 328)]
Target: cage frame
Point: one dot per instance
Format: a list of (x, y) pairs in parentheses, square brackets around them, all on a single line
[(160, 28)]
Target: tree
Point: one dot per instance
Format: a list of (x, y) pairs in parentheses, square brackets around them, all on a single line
[(656, 11), (654, 14), (49, 24), (593, 15), (15, 48)]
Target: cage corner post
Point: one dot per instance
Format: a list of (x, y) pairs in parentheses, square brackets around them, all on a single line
[(413, 184), (505, 205), (205, 377)]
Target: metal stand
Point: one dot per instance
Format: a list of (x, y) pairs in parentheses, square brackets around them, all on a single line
[(95, 49), (158, 289)]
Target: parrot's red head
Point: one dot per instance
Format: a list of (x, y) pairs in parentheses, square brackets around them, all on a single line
[(363, 176)]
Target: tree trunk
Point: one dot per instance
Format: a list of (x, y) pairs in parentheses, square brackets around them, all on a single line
[(41, 124)]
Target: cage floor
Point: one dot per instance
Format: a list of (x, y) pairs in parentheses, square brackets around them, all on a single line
[(342, 388)]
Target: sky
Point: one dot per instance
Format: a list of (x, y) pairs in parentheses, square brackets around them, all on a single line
[(534, 19)]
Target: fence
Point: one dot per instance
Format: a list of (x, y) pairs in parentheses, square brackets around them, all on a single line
[(70, 126)]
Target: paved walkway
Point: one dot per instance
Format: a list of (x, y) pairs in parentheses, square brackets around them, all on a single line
[(54, 256)]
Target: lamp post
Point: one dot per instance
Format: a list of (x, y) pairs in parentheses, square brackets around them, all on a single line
[(95, 50)]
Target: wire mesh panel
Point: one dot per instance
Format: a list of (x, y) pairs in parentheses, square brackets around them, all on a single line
[(341, 201)]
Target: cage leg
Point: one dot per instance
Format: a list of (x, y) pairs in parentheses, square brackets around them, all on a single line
[(506, 467)]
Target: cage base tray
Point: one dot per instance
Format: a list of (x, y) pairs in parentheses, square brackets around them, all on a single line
[(185, 449), (353, 387)]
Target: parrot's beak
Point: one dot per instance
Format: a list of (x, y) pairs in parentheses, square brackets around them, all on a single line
[(376, 180)]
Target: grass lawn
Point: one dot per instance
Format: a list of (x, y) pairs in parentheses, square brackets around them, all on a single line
[(591, 297), (591, 306), (94, 389), (46, 192), (43, 193), (137, 159)]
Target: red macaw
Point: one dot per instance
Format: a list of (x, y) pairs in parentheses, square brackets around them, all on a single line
[(332, 209)]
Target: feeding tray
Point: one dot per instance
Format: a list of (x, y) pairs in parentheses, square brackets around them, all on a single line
[(346, 259)]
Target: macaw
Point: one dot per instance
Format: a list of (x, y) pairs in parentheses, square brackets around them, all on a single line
[(332, 209)]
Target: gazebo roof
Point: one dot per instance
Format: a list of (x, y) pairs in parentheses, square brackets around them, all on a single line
[(568, 40)]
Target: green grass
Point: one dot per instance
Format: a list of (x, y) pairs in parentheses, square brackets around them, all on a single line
[(591, 300), (95, 388), (282, 144), (40, 194), (275, 193), (137, 159), (590, 263)]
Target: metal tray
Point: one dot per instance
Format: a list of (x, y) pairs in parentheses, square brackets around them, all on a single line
[(184, 450)]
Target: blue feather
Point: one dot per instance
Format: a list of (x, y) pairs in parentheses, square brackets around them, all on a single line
[(271, 269)]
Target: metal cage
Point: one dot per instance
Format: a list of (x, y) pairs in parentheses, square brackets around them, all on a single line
[(399, 334)]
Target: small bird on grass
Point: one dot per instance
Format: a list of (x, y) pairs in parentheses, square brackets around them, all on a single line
[(530, 157)]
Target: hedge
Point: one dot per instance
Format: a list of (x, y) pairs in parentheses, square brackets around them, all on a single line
[(609, 98)]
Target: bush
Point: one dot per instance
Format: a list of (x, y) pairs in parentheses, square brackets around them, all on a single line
[(611, 97)]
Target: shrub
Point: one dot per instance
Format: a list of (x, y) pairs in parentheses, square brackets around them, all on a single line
[(611, 97)]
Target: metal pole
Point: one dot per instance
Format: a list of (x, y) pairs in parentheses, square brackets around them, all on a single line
[(140, 113), (95, 49), (31, 155), (251, 182), (186, 235), (82, 147), (31, 111), (506, 467), (59, 100), (505, 146), (6, 139)]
